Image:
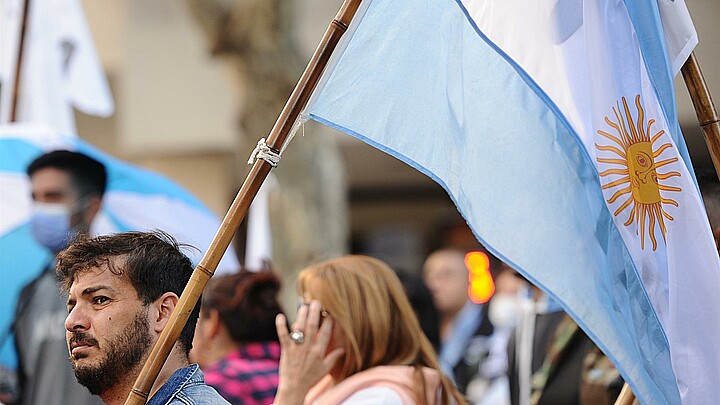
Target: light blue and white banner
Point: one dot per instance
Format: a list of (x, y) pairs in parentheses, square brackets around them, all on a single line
[(552, 126)]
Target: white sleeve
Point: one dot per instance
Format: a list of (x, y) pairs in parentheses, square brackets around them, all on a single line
[(374, 396)]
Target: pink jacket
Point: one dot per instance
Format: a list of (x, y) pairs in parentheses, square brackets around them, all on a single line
[(398, 378)]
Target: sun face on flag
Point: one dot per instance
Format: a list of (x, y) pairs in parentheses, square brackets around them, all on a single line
[(637, 161)]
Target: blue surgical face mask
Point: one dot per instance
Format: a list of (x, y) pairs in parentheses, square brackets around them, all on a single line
[(50, 225)]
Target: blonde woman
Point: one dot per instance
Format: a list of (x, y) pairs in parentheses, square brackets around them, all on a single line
[(357, 341)]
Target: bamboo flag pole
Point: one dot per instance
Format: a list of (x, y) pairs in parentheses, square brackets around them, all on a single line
[(237, 211), (18, 66), (704, 108), (626, 396), (710, 125)]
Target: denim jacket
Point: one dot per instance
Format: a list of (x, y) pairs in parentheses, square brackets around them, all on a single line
[(187, 387)]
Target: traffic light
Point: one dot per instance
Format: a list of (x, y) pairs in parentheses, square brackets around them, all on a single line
[(482, 286)]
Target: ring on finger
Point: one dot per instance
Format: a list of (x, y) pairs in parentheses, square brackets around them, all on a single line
[(297, 336)]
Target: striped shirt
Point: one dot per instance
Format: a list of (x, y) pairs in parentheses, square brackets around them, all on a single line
[(248, 375)]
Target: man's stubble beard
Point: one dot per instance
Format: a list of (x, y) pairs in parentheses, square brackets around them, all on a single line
[(122, 355)]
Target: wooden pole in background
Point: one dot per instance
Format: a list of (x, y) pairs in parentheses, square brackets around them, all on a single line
[(18, 66), (237, 211), (704, 108)]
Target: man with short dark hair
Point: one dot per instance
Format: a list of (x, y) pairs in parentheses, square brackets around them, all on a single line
[(67, 189), (122, 290)]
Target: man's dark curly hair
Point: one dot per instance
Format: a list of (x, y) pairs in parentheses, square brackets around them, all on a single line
[(151, 261)]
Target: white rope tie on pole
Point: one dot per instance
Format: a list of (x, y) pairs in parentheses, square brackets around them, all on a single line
[(262, 151), (300, 122)]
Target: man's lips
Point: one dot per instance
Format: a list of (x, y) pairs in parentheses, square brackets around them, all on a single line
[(80, 343), (76, 348)]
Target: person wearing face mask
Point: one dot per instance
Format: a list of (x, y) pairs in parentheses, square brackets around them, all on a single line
[(67, 190)]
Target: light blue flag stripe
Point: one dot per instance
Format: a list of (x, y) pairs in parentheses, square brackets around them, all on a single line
[(509, 161), (15, 155)]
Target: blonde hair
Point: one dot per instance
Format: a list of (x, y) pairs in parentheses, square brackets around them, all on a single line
[(367, 302)]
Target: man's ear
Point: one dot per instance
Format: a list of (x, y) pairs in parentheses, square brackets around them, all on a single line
[(93, 207), (164, 307)]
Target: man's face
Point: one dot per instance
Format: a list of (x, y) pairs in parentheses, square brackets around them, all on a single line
[(51, 185), (447, 278), (107, 329)]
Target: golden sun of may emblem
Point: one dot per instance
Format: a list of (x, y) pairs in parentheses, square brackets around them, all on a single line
[(636, 162)]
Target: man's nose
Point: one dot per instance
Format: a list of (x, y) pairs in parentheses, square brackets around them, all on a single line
[(76, 320)]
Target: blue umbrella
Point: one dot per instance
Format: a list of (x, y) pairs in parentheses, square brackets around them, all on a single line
[(136, 199)]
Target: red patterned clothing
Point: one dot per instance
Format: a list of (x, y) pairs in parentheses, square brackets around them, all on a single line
[(247, 376)]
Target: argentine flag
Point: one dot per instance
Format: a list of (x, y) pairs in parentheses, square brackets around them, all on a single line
[(552, 125)]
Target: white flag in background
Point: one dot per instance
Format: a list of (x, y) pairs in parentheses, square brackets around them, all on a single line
[(60, 69)]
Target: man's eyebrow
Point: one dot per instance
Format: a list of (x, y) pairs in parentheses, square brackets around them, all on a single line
[(91, 290), (97, 288)]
